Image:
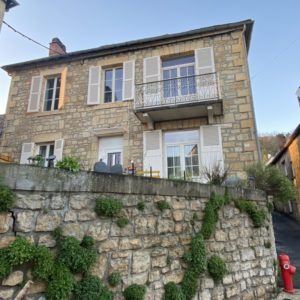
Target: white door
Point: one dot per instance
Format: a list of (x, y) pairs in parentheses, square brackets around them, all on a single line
[(111, 150)]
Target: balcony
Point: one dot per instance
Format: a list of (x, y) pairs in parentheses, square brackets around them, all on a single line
[(178, 98)]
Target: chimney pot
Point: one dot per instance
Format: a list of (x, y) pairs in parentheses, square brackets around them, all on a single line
[(57, 47)]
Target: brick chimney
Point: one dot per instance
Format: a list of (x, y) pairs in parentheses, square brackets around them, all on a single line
[(57, 47)]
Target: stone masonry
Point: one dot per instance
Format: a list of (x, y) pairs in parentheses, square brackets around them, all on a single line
[(77, 123), (149, 249)]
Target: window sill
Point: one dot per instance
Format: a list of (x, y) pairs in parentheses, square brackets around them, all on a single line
[(45, 113), (123, 103)]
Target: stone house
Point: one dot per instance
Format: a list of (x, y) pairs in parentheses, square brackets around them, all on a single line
[(287, 159), (177, 103)]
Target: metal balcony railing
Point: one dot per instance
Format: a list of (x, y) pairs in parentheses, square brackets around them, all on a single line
[(176, 91)]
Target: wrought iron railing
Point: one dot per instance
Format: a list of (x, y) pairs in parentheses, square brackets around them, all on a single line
[(182, 90)]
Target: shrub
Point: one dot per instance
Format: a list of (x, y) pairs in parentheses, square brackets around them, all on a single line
[(257, 215), (162, 205), (91, 288), (114, 279), (75, 257), (7, 198), (135, 292), (190, 284), (216, 268), (141, 206), (88, 242), (5, 266), (19, 252), (108, 207), (173, 292), (272, 181), (122, 222), (42, 263), (198, 254), (69, 163), (215, 174), (60, 284), (37, 160)]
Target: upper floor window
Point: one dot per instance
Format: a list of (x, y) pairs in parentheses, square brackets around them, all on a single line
[(52, 93), (183, 68), (113, 82)]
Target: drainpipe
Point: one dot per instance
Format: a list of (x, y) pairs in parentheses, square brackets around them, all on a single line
[(251, 99)]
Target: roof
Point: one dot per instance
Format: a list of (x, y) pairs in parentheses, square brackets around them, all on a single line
[(136, 45), (280, 153)]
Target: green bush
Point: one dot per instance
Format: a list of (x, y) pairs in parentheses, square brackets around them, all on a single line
[(114, 279), (122, 222), (7, 198), (88, 242), (37, 160), (43, 263), (69, 163), (162, 205), (198, 254), (5, 266), (216, 268), (272, 181), (108, 207), (135, 292), (60, 284), (257, 215), (141, 206), (19, 252), (190, 284), (173, 292), (74, 256), (211, 215), (91, 288)]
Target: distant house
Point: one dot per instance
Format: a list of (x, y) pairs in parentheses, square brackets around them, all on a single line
[(288, 161), (6, 5), (177, 103)]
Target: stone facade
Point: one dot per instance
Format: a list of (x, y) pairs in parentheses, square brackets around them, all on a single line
[(81, 125), (149, 249)]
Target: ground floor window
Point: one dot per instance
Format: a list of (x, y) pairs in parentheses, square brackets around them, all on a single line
[(45, 150), (182, 154), (111, 150)]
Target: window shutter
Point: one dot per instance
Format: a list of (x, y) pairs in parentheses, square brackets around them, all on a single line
[(153, 151), (27, 151), (211, 148), (152, 70), (128, 80), (58, 149), (204, 58), (94, 85), (35, 94)]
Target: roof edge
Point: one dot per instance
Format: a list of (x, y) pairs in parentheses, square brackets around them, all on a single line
[(135, 44)]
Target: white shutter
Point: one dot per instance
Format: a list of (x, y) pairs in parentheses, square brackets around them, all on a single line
[(94, 85), (35, 94), (27, 151), (204, 58), (128, 80), (211, 148), (153, 151), (152, 70), (58, 149)]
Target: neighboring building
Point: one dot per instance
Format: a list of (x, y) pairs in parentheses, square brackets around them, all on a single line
[(177, 103), (288, 161), (6, 5)]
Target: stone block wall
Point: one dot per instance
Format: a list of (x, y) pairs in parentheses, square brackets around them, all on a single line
[(79, 124), (149, 249)]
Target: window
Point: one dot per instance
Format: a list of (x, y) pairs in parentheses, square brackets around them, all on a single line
[(113, 82), (178, 76), (52, 93), (182, 153), (45, 151), (111, 150)]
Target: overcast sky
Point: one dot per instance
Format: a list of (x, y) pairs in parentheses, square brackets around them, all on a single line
[(274, 56)]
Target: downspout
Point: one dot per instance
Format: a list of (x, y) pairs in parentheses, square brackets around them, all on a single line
[(251, 98)]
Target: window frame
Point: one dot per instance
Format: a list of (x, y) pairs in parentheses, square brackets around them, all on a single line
[(113, 69), (48, 145), (46, 78)]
